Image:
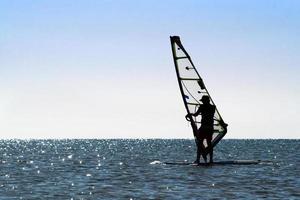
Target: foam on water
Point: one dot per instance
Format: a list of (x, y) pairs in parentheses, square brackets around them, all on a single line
[(155, 162)]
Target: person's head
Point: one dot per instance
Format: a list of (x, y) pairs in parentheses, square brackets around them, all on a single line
[(205, 99)]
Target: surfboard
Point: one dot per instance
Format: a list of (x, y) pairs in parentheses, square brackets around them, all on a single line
[(226, 162)]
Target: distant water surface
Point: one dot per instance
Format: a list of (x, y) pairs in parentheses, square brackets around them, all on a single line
[(133, 169)]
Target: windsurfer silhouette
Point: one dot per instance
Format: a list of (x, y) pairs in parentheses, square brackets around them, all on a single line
[(207, 111)]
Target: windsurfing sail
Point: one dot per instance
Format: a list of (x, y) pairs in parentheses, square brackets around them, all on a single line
[(192, 89)]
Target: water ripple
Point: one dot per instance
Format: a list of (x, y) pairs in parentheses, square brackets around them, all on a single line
[(133, 169)]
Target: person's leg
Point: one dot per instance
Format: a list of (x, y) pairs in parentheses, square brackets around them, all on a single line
[(198, 151), (210, 148), (202, 147)]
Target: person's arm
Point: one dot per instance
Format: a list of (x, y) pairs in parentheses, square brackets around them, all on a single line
[(198, 111), (194, 114)]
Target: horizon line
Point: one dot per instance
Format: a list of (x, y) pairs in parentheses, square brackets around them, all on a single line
[(1, 139)]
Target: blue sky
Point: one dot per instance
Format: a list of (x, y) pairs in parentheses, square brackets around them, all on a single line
[(104, 69)]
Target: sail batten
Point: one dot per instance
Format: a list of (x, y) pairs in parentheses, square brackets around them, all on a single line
[(189, 79), (192, 88)]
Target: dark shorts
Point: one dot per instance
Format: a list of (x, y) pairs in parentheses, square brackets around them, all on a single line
[(205, 133)]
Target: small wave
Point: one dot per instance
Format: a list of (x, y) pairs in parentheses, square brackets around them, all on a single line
[(155, 162)]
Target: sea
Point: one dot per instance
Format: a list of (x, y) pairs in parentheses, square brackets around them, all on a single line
[(135, 169)]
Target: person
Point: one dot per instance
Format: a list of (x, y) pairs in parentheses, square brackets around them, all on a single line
[(206, 129)]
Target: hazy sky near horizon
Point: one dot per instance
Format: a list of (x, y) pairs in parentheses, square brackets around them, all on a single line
[(104, 69)]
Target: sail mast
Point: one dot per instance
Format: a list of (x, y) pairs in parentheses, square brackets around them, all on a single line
[(176, 39), (173, 40)]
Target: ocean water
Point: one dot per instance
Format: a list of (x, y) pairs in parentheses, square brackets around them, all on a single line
[(134, 169)]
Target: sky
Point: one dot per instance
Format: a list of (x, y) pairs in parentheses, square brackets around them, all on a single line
[(104, 69)]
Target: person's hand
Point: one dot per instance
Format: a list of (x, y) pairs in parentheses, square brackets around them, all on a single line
[(188, 117)]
